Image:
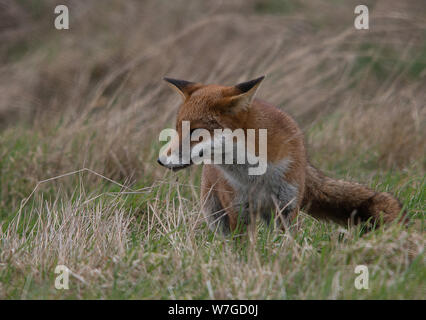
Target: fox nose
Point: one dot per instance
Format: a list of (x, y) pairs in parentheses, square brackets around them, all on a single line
[(159, 162)]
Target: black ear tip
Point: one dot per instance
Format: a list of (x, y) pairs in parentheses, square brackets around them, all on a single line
[(181, 84), (168, 79), (246, 86)]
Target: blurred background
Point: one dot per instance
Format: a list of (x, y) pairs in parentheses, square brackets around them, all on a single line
[(93, 96)]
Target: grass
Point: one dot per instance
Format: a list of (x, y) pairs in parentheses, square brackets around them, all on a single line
[(276, 6), (126, 228), (154, 244)]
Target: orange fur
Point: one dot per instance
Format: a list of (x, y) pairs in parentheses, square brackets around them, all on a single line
[(214, 107)]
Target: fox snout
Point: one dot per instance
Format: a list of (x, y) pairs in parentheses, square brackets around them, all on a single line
[(173, 159), (165, 162)]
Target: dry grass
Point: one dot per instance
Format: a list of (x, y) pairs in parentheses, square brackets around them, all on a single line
[(92, 97), (114, 252)]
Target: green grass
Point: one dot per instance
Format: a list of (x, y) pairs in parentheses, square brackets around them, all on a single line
[(385, 61), (164, 250), (91, 98), (276, 6)]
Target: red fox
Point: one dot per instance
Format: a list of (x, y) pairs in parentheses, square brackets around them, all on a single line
[(230, 195)]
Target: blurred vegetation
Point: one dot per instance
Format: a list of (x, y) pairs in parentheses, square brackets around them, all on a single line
[(92, 97), (277, 6)]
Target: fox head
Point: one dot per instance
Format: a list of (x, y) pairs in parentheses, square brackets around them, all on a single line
[(207, 107)]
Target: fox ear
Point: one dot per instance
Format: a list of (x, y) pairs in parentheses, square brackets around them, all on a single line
[(184, 88), (247, 91)]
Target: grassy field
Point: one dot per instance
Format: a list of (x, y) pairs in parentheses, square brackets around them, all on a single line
[(80, 114)]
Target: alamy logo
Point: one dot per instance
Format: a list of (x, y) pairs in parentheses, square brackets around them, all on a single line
[(361, 282), (62, 280), (362, 20), (62, 20), (224, 146)]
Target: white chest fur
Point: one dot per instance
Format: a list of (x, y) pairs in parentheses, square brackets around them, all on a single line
[(262, 193)]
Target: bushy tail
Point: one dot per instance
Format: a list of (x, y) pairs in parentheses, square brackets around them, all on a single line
[(343, 201)]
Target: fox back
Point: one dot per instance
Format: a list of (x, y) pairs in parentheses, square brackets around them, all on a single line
[(287, 183)]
